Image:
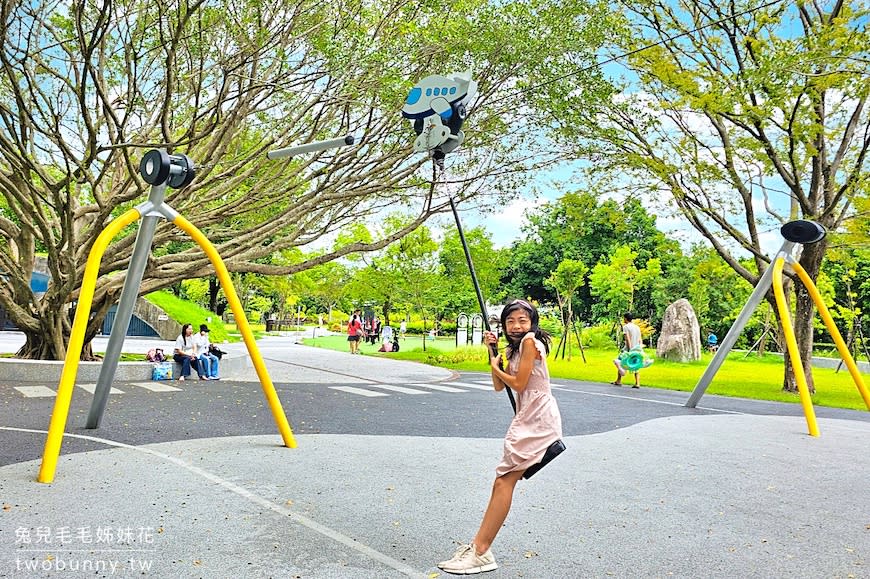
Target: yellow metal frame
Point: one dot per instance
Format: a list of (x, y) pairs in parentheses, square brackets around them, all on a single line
[(791, 342), (76, 341)]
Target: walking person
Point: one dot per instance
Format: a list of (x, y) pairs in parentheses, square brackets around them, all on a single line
[(208, 361), (633, 343), (354, 332), (185, 353), (535, 426)]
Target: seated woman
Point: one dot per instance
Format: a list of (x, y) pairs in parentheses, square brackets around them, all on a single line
[(390, 340), (185, 353), (207, 361)]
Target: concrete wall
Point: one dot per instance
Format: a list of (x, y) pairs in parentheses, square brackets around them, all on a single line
[(40, 264), (167, 329), (234, 366)]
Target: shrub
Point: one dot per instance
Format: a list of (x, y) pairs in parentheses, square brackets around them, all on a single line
[(598, 337), (551, 325), (416, 326), (447, 327), (457, 356), (646, 330)]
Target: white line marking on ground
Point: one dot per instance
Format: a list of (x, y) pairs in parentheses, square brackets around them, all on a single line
[(36, 391), (360, 391), (401, 389), (438, 387), (474, 386), (566, 389), (93, 388), (157, 386), (485, 382), (256, 499)]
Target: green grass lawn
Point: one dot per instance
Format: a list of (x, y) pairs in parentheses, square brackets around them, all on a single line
[(234, 335), (751, 377), (187, 312)]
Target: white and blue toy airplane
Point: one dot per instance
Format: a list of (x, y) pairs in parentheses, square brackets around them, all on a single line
[(437, 104)]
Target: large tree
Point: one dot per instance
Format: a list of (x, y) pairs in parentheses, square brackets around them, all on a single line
[(88, 87), (488, 262), (581, 226), (615, 283), (744, 118)]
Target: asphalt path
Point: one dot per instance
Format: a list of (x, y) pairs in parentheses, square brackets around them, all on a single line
[(203, 409)]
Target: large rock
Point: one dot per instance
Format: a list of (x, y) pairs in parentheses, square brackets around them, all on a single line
[(680, 340)]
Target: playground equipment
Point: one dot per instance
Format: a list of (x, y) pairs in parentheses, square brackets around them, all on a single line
[(429, 107), (160, 170), (438, 107), (795, 232)]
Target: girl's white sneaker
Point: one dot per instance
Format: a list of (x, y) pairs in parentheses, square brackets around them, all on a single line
[(466, 561)]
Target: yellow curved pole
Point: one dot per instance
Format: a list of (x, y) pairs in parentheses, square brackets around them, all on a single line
[(792, 348), (835, 333), (76, 342), (242, 323)]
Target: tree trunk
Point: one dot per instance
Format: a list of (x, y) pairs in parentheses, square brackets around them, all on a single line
[(38, 346), (213, 288), (385, 310), (762, 343), (424, 332), (50, 339), (568, 320), (811, 260)]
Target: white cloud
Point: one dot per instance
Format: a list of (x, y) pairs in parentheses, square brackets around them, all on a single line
[(505, 225)]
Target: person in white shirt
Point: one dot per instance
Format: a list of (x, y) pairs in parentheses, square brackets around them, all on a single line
[(185, 353), (208, 361), (631, 333)]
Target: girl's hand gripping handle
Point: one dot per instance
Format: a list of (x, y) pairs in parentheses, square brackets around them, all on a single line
[(491, 340)]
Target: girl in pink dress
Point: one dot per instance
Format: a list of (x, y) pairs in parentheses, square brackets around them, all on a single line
[(536, 425)]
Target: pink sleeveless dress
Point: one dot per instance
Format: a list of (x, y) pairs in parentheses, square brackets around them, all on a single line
[(537, 423)]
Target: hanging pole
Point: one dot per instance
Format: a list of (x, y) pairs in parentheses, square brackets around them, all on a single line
[(480, 302), (124, 312)]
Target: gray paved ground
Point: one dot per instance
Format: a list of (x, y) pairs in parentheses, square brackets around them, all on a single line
[(383, 486)]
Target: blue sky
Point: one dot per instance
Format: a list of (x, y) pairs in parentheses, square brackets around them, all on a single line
[(505, 224)]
